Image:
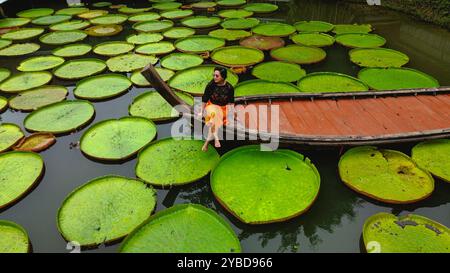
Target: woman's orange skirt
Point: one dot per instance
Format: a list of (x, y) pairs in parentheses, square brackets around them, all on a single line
[(216, 114)]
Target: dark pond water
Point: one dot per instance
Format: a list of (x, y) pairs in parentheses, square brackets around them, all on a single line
[(335, 220)]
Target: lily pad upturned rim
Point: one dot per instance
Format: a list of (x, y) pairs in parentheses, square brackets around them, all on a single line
[(273, 54), (165, 58), (54, 51), (12, 105), (222, 43), (67, 77), (221, 62), (81, 38), (399, 53), (7, 36), (111, 43), (310, 75), (18, 130), (95, 77), (168, 24), (60, 60), (48, 74), (214, 21), (91, 31), (339, 38), (330, 38), (329, 26), (18, 227)]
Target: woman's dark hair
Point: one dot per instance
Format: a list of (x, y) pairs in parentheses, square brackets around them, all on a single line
[(222, 71)]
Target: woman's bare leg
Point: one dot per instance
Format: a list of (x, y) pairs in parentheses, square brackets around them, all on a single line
[(209, 137)]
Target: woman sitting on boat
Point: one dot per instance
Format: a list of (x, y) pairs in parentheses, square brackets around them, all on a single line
[(217, 96)]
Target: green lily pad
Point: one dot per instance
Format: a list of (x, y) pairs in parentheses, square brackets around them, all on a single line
[(153, 106), (171, 162), (198, 44), (102, 87), (146, 16), (278, 71), (158, 48), (3, 103), (261, 187), (405, 234), (340, 29), (153, 26), (385, 175), (38, 97), (51, 19), (13, 22), (117, 139), (24, 81), (13, 238), (73, 50), (161, 1), (177, 14), (185, 228), (313, 39), (235, 13), (298, 54), (237, 56), (4, 74), (313, 26), (180, 61), (109, 19), (80, 68), (178, 32), (239, 23), (394, 78), (4, 43), (229, 34), (101, 4), (129, 62), (166, 5), (144, 38), (261, 7), (19, 171), (70, 25), (203, 5), (262, 42), (72, 11), (364, 40), (40, 63), (23, 34), (128, 10), (200, 21), (432, 155), (194, 80), (261, 87), (61, 117), (112, 207), (63, 37), (93, 14), (273, 29), (10, 134), (19, 49), (34, 13), (104, 30), (138, 79), (231, 3), (378, 57), (321, 82), (113, 48)]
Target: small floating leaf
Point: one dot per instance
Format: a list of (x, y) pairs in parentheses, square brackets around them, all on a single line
[(24, 81), (320, 82), (38, 97), (13, 238), (36, 142), (10, 134), (432, 155), (80, 68), (102, 86)]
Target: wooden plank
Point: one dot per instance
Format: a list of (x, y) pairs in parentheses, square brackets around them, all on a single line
[(333, 113), (318, 119), (435, 105), (373, 109), (285, 123)]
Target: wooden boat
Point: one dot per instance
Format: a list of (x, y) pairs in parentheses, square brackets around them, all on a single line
[(336, 119)]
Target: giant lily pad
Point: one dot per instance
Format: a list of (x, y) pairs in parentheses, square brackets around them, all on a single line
[(176, 14), (261, 7), (51, 19), (201, 21), (38, 97), (4, 43), (129, 62), (93, 14), (152, 105), (113, 48), (166, 5), (24, 81), (34, 13), (340, 29), (80, 68), (199, 44), (203, 5), (394, 78), (3, 103), (13, 22), (70, 25), (385, 175), (298, 54), (61, 117), (104, 30), (146, 16), (23, 34), (102, 4), (178, 32), (237, 56), (112, 206), (138, 79), (239, 23), (170, 161), (231, 3), (102, 86), (73, 50), (313, 39), (260, 87), (265, 186), (320, 82), (144, 38), (72, 11), (13, 238), (117, 139), (386, 233), (194, 80), (262, 42), (110, 19), (432, 155), (19, 49), (153, 26), (229, 34), (4, 74), (128, 10), (186, 228), (313, 26), (158, 48), (40, 63), (19, 171), (180, 61), (10, 134), (36, 142), (235, 13), (278, 71), (63, 37), (378, 57), (364, 40), (273, 29)]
